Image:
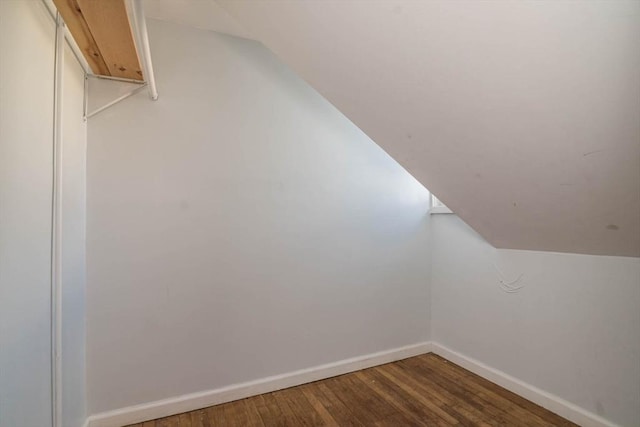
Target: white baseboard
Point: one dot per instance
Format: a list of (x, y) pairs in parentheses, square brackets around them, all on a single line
[(553, 403), (190, 402)]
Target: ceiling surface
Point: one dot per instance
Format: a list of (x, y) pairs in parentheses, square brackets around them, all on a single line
[(202, 14), (523, 117)]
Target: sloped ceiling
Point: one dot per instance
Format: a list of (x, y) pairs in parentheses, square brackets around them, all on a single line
[(523, 117), (202, 14)]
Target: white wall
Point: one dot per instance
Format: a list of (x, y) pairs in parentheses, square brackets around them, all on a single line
[(74, 140), (26, 113), (573, 330), (27, 38), (241, 227)]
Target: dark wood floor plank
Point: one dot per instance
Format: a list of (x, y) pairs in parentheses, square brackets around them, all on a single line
[(461, 400), (367, 406), (356, 407), (185, 419), (404, 404), (473, 417), (425, 390), (316, 403), (338, 410), (301, 407), (464, 401), (441, 363), (235, 414), (454, 378), (397, 420), (217, 415), (269, 410), (172, 421), (428, 408), (253, 416), (199, 418), (288, 413), (442, 408)]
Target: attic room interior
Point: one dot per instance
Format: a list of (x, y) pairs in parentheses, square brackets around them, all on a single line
[(331, 212)]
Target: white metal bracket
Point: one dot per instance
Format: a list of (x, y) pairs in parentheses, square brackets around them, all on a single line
[(87, 114)]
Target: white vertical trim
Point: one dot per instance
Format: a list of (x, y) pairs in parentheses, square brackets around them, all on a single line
[(85, 97), (52, 10), (56, 230), (141, 37)]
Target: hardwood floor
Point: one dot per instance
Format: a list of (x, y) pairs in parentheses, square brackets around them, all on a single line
[(425, 390)]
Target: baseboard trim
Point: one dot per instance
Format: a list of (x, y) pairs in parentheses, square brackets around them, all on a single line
[(193, 401), (549, 401), (190, 402)]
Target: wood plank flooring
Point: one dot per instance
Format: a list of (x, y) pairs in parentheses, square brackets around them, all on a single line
[(425, 390)]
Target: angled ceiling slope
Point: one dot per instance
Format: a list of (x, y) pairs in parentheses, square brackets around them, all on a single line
[(202, 14), (523, 117)]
